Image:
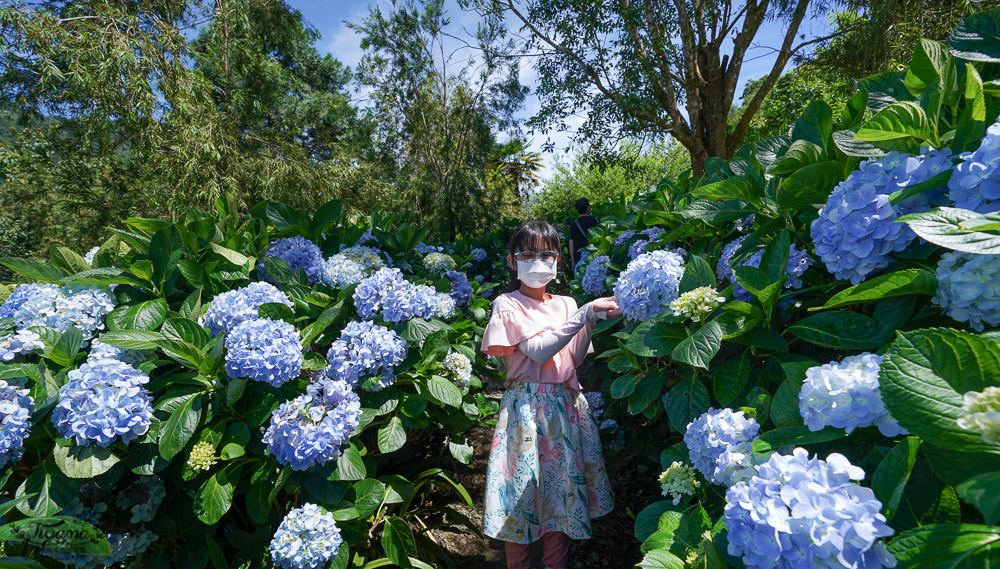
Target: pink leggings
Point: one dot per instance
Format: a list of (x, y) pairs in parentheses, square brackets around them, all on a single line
[(555, 551)]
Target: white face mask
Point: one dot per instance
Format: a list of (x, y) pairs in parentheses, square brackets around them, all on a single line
[(537, 273)]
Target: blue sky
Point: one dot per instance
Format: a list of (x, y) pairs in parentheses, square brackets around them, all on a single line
[(328, 17)]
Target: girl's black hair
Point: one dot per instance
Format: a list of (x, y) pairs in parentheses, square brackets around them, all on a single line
[(531, 236)]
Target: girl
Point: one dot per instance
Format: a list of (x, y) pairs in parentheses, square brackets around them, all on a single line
[(546, 477)]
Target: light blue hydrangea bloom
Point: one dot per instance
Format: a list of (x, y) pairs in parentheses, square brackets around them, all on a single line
[(478, 255), (856, 230), (363, 350), (424, 248), (341, 272), (624, 236), (802, 513), (102, 401), (311, 428), (649, 284), (398, 300), (264, 350), (912, 170), (596, 402), (580, 262), (969, 288), (720, 445), (797, 264), (308, 538), (142, 498), (85, 307), (846, 395), (367, 257), (99, 351), (230, 308), (16, 407), (366, 237), (444, 306), (975, 184), (89, 256), (724, 268), (123, 546), (744, 224), (21, 294), (461, 290), (637, 248), (299, 253), (18, 344), (594, 277)]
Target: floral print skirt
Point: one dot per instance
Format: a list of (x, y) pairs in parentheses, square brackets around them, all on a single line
[(546, 471)]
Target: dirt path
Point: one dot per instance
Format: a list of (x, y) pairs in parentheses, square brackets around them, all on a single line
[(613, 545)]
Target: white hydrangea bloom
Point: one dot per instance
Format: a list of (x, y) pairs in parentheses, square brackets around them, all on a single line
[(679, 480), (697, 304), (983, 410)]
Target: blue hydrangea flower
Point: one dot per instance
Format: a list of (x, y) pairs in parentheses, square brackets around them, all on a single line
[(478, 255), (724, 268), (264, 350), (100, 351), (366, 237), (19, 343), (299, 253), (802, 513), (367, 257), (311, 428), (594, 277), (637, 248), (975, 184), (363, 350), (398, 300), (16, 407), (123, 546), (720, 445), (85, 307), (89, 256), (649, 284), (624, 236), (912, 170), (142, 498), (969, 288), (797, 264), (308, 538), (580, 262), (856, 230), (102, 401), (444, 307), (341, 272), (846, 395), (21, 294), (424, 248), (596, 402), (461, 290), (234, 306), (744, 224)]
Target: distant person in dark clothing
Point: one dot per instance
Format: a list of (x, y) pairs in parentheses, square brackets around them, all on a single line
[(578, 229)]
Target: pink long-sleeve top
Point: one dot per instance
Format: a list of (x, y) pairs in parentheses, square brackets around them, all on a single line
[(516, 318)]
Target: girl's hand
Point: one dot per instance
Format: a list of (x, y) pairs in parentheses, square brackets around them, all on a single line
[(607, 304)]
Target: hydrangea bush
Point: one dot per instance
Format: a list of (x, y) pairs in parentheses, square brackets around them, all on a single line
[(850, 312), (142, 373)]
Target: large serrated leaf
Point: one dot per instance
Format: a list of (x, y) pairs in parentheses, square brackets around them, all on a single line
[(923, 377)]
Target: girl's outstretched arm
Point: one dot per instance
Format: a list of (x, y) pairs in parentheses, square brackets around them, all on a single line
[(545, 345)]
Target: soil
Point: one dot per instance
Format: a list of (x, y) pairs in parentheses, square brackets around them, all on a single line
[(613, 544)]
